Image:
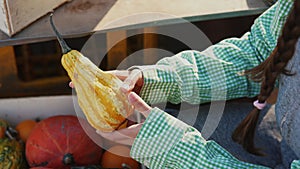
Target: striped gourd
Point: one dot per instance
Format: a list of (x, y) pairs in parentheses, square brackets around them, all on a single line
[(11, 154), (98, 92)]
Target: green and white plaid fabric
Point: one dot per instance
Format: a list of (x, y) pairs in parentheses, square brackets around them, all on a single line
[(213, 74), (295, 164), (199, 77), (165, 142)]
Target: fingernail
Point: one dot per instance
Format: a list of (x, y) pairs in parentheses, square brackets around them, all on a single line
[(131, 98), (71, 85)]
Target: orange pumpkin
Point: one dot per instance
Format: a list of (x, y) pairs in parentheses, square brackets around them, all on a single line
[(24, 128), (60, 142), (117, 156)]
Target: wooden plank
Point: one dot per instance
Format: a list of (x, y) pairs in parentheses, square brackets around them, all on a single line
[(7, 62), (132, 12), (12, 86), (17, 14), (117, 48), (150, 40), (86, 16)]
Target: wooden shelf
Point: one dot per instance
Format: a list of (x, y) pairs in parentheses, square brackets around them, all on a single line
[(82, 17)]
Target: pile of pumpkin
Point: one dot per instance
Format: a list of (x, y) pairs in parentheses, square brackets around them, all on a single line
[(58, 142)]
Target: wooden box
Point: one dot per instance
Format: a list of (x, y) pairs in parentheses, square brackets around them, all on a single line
[(15, 110), (17, 14)]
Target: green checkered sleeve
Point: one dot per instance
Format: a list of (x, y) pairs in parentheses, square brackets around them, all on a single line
[(167, 143), (213, 74)]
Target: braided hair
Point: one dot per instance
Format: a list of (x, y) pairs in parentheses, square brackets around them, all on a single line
[(267, 73)]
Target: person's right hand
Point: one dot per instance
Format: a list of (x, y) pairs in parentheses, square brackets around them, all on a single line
[(128, 135), (132, 79)]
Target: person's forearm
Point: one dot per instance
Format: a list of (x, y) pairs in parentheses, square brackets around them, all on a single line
[(166, 142), (198, 77)]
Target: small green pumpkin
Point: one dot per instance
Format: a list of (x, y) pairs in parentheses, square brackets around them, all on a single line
[(11, 154)]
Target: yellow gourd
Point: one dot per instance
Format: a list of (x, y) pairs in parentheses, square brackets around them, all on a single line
[(104, 105)]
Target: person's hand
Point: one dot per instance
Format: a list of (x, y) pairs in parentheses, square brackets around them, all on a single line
[(127, 135), (132, 79)]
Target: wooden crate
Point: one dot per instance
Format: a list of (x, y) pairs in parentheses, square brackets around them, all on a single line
[(17, 14)]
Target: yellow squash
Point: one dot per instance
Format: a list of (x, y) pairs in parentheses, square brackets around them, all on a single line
[(104, 105)]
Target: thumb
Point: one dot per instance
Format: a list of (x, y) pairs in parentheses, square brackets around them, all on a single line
[(139, 104), (134, 78)]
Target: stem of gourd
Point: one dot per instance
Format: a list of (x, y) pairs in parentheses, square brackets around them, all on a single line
[(64, 47)]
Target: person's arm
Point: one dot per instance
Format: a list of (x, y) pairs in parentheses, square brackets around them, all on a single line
[(162, 141), (166, 142), (198, 77)]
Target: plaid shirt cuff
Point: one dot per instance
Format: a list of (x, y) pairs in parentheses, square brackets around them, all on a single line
[(156, 138), (159, 84), (165, 142)]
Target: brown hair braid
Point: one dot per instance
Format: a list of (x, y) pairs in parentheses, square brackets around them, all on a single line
[(267, 73)]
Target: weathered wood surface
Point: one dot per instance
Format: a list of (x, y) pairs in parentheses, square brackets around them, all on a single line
[(16, 15), (12, 86), (81, 17)]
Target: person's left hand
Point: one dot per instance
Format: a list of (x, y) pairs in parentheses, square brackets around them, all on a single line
[(127, 135), (132, 80)]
